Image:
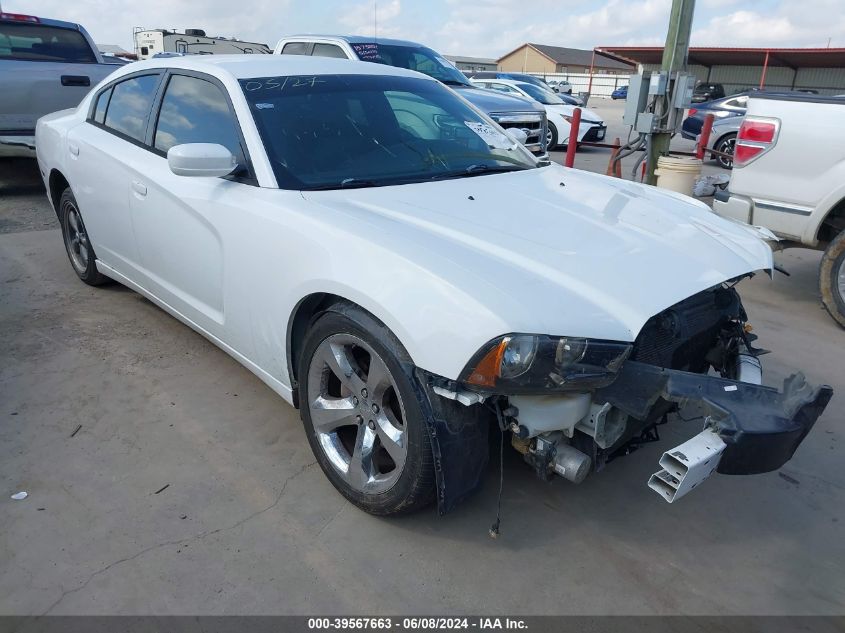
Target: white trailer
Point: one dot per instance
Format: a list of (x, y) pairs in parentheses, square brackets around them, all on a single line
[(195, 41)]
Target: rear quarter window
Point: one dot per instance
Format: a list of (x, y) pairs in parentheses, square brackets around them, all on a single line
[(102, 104), (40, 43)]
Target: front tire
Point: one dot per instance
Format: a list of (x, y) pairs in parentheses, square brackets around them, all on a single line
[(832, 279), (83, 260), (361, 413), (551, 136)]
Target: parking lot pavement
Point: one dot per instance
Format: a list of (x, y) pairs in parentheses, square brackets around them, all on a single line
[(165, 478)]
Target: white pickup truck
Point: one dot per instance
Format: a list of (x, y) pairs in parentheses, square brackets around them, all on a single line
[(789, 176)]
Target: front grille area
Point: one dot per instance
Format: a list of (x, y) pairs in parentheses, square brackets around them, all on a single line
[(680, 336), (595, 134), (531, 122)]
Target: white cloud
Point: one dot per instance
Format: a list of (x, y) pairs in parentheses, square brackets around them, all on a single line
[(487, 28)]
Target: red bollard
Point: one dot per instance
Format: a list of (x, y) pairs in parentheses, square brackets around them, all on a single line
[(704, 137), (611, 168), (574, 124)]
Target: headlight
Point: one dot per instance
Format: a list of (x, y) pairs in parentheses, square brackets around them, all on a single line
[(530, 363), (567, 118)]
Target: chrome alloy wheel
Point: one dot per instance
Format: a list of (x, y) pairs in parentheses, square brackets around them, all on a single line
[(727, 146), (76, 239), (357, 413)]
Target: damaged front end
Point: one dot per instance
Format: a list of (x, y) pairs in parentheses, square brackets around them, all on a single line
[(573, 405)]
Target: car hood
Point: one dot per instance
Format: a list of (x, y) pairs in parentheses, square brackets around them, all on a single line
[(492, 101), (557, 251), (587, 115)]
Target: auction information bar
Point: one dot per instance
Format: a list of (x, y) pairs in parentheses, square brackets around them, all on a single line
[(307, 624)]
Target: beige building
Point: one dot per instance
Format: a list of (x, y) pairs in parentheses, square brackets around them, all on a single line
[(539, 58)]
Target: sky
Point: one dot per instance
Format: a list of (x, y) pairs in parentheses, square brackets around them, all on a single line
[(482, 28)]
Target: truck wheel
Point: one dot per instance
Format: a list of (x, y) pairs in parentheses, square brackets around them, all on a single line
[(361, 414), (551, 137), (832, 278), (78, 246)]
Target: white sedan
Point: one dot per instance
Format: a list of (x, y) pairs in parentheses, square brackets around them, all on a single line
[(558, 113), (386, 258)]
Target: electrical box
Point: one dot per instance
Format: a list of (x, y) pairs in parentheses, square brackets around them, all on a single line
[(646, 123), (682, 95), (658, 82), (637, 98)]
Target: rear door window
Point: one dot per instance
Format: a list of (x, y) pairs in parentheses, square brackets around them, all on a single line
[(328, 50), (196, 111), (40, 43), (128, 110)]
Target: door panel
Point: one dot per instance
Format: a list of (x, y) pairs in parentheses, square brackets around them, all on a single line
[(176, 220), (100, 181)]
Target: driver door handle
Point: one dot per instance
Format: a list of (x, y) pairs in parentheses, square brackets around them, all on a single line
[(139, 188)]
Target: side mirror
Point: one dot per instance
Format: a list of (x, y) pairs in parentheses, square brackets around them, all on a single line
[(201, 159), (518, 134)]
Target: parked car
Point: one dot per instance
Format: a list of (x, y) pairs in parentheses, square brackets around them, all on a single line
[(560, 86), (569, 99), (619, 93), (723, 139), (45, 65), (509, 112), (707, 92), (732, 106), (558, 113), (555, 84), (788, 177), (386, 258)]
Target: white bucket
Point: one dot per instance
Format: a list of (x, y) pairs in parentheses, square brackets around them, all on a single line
[(677, 173)]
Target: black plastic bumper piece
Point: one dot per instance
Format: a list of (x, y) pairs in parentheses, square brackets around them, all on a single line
[(761, 426), (459, 444)]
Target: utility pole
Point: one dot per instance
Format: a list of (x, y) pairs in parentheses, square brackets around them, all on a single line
[(674, 60)]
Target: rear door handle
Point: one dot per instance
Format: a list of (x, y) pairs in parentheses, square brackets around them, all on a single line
[(139, 188), (73, 149), (76, 80)]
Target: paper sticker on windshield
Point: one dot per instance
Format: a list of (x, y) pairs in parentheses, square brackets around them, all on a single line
[(490, 135)]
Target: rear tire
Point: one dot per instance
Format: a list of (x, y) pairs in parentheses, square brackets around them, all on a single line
[(832, 279), (726, 144), (361, 413), (83, 260)]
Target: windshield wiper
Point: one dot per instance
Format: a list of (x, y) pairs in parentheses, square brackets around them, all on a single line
[(346, 183), (454, 82), (478, 169)]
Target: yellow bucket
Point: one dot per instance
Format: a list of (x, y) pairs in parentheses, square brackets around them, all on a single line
[(677, 173)]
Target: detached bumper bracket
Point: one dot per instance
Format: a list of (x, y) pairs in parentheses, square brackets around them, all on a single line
[(761, 426)]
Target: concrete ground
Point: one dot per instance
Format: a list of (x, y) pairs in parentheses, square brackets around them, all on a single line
[(165, 478)]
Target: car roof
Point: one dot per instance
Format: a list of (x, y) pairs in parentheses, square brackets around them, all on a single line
[(41, 21), (354, 39), (242, 66)]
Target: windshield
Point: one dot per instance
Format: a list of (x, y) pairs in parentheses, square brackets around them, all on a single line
[(423, 60), (542, 95), (339, 131)]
